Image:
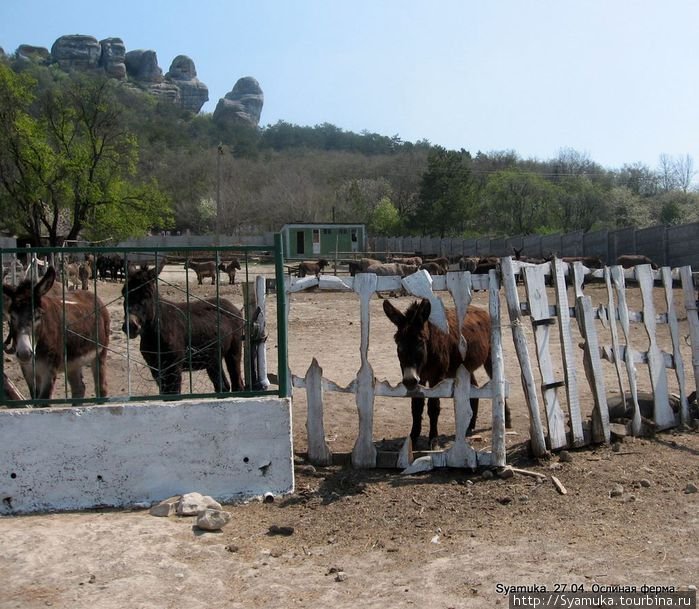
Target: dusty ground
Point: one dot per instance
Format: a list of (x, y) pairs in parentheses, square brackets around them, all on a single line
[(376, 538)]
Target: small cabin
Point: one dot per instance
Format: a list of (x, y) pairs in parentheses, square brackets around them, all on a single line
[(316, 240)]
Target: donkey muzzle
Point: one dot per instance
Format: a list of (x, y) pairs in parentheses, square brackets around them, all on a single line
[(24, 348), (131, 327), (411, 379)]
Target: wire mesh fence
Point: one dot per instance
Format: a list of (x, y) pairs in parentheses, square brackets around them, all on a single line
[(103, 324)]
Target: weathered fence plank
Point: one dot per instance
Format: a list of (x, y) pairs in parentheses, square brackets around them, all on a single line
[(536, 431), (364, 451), (319, 452), (675, 336), (569, 366), (689, 294), (593, 369), (541, 322), (631, 374), (498, 378), (662, 413)]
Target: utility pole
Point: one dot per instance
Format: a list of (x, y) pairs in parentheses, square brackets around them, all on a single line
[(218, 194)]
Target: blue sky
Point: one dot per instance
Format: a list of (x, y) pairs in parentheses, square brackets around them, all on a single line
[(616, 80)]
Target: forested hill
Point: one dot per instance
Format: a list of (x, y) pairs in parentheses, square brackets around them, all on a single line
[(90, 157)]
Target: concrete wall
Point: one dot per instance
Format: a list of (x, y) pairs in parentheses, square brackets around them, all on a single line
[(78, 458)]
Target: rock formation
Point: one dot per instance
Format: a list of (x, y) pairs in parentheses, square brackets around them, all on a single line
[(143, 66), (180, 86), (113, 59), (193, 93), (32, 53), (242, 105), (76, 52)]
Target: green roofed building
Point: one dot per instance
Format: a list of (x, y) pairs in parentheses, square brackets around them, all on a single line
[(309, 241)]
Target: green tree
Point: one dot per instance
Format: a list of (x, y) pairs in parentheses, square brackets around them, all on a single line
[(68, 165), (518, 202), (385, 220), (446, 194)]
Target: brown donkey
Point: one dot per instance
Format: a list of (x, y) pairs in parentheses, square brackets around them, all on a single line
[(427, 356), (51, 335)]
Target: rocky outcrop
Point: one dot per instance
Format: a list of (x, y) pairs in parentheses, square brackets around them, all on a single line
[(32, 53), (242, 105), (143, 66), (193, 93), (113, 58), (76, 52), (139, 68)]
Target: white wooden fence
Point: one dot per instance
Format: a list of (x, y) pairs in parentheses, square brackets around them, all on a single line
[(366, 387), (617, 317), (562, 429)]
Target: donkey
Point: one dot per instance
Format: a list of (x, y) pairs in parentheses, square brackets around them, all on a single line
[(177, 336), (230, 269), (427, 355), (628, 261), (50, 334), (203, 270), (312, 268)]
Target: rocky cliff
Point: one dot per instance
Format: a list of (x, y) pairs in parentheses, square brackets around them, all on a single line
[(180, 85)]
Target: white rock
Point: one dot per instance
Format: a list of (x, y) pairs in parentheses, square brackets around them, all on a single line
[(193, 503), (212, 520), (166, 507)]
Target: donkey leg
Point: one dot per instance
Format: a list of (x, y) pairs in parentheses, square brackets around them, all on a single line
[(233, 364), (76, 382), (417, 405), (99, 374), (433, 409), (474, 416), (218, 377)]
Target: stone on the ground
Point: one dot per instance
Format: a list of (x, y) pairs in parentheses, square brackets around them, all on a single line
[(212, 520)]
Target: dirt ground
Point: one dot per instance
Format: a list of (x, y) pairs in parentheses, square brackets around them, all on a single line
[(448, 538)]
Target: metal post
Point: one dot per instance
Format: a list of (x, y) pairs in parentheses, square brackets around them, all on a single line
[(219, 154), (283, 361)]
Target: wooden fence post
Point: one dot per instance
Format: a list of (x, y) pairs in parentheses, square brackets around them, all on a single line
[(536, 431), (364, 451)]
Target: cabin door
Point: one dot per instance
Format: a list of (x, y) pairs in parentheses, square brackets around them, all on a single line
[(355, 240), (316, 241), (300, 243)]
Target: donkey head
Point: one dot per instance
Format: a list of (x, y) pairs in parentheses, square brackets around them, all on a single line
[(140, 294), (412, 338), (25, 313)]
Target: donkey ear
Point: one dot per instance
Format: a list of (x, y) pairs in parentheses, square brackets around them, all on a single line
[(422, 314), (45, 283), (393, 314), (161, 264)]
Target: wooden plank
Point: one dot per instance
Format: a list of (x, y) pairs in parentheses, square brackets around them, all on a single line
[(538, 305), (612, 320), (443, 389), (319, 452), (619, 281), (689, 296), (261, 292), (499, 450), (536, 431), (662, 415), (459, 286), (675, 336), (364, 451), (593, 369), (569, 364), (420, 284), (461, 454), (638, 357)]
